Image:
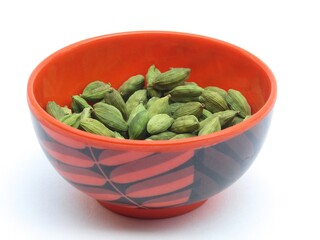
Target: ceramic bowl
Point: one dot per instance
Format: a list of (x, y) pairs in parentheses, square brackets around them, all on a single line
[(150, 179)]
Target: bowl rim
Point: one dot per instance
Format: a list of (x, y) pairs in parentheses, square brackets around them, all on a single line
[(195, 142)]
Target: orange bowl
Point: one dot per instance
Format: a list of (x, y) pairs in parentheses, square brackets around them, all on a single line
[(150, 179)]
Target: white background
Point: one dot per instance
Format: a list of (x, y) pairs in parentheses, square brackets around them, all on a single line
[(278, 198)]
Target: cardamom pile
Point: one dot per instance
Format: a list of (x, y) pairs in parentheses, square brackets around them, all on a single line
[(159, 106)]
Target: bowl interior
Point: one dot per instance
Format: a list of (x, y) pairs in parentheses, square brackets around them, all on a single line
[(115, 58)]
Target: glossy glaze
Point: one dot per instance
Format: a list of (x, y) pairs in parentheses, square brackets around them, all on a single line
[(129, 175)]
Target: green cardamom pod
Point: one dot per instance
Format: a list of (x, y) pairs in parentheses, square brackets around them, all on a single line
[(151, 101), (131, 85), (238, 102), (235, 121), (159, 123), (109, 116), (55, 110), (160, 105), (114, 98), (86, 113), (118, 135), (171, 78), (183, 135), (208, 119), (95, 91), (185, 124), (72, 120), (138, 126), (185, 91), (206, 113), (185, 99), (153, 92), (78, 104), (190, 108), (162, 136), (225, 118), (152, 73), (94, 126), (174, 106), (210, 127), (221, 91), (139, 108), (135, 99), (191, 83), (213, 101), (67, 110)]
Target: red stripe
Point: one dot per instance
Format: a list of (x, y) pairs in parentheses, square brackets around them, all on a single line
[(149, 166), (163, 184), (70, 142), (115, 158), (100, 193), (80, 175), (67, 155)]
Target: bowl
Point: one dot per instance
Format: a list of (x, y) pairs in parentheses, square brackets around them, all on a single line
[(150, 179)]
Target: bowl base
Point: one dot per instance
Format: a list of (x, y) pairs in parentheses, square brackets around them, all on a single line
[(151, 213)]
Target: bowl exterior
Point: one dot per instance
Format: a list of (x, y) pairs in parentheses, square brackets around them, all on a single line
[(151, 180)]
